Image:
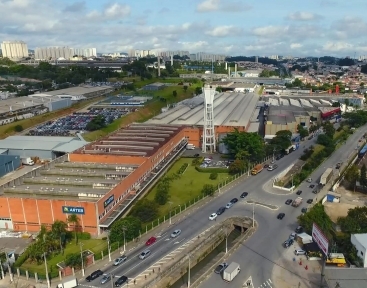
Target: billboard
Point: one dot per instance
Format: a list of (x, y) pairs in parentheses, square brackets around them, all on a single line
[(73, 210), (320, 239), (108, 201)]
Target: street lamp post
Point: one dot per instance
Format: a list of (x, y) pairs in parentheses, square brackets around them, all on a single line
[(292, 180), (253, 214), (111, 280), (124, 229), (226, 241), (81, 255), (9, 269), (108, 246), (47, 279), (189, 274), (273, 155), (170, 211)]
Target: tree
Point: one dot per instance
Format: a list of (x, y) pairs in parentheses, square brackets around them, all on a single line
[(219, 89), (303, 132), (185, 88), (324, 140), (208, 190), (355, 221), (352, 175), (329, 129), (236, 167), (336, 104), (132, 226), (363, 176), (96, 123), (18, 128), (74, 220), (213, 176), (58, 232), (198, 90), (282, 140), (74, 260), (174, 93), (145, 210)]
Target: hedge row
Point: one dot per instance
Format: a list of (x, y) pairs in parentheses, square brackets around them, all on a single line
[(211, 170), (182, 168)]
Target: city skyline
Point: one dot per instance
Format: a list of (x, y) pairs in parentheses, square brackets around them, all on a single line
[(214, 26)]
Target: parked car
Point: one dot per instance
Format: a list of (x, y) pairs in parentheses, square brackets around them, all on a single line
[(299, 252), (220, 268), (150, 241), (288, 201), (309, 201), (299, 192), (266, 166), (309, 180), (244, 194), (144, 254), (312, 186), (304, 210), (176, 233), (213, 216), (229, 205), (234, 200), (293, 236), (315, 191), (106, 278), (121, 281), (287, 243), (299, 229), (281, 216), (119, 260), (94, 275)]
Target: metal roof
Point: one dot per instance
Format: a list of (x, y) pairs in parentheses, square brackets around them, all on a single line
[(3, 151), (346, 277), (42, 143)]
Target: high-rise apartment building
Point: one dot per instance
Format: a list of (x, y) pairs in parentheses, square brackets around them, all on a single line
[(86, 52), (53, 53), (14, 49)]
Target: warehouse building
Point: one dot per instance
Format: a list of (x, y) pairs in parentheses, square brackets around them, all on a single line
[(8, 163), (154, 87), (98, 182), (43, 147), (231, 110)]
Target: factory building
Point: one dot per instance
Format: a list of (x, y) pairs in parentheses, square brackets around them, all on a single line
[(8, 163), (98, 182)]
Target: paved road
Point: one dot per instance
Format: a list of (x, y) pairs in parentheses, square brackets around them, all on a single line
[(261, 250)]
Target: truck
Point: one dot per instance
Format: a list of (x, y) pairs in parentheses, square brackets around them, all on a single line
[(337, 259), (27, 161), (231, 271), (257, 169), (296, 202), (68, 282), (190, 147), (326, 176), (290, 149)]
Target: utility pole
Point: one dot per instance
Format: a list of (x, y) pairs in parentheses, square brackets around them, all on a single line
[(123, 230), (170, 210), (2, 270), (46, 268), (273, 155), (108, 246), (9, 269), (188, 274), (253, 214), (111, 275), (81, 255)]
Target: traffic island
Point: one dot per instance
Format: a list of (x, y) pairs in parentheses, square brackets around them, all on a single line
[(173, 266)]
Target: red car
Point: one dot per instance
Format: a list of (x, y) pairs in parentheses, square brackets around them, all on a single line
[(150, 241)]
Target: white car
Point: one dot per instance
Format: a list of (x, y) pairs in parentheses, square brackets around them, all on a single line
[(299, 252), (175, 233), (144, 254), (229, 205), (293, 236), (213, 216)]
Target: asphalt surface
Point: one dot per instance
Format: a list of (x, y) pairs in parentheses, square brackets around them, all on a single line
[(262, 249)]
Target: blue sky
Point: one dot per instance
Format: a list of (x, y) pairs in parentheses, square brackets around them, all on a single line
[(231, 27)]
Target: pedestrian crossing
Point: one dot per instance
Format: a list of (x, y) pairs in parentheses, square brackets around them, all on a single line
[(267, 284)]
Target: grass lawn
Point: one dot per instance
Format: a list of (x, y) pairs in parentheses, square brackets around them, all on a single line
[(94, 245), (337, 134), (317, 148), (187, 187), (8, 130), (150, 110)]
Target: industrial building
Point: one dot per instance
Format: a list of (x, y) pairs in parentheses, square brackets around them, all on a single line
[(97, 182), (122, 102), (231, 110), (154, 87), (43, 147), (8, 163), (227, 86)]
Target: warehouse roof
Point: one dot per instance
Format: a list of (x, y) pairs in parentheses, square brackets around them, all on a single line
[(230, 109), (346, 277), (80, 90), (135, 140), (60, 144), (19, 103)]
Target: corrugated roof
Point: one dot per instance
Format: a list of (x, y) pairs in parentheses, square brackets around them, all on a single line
[(40, 143), (3, 151)]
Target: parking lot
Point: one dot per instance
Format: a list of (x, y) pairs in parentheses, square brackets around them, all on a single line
[(76, 122)]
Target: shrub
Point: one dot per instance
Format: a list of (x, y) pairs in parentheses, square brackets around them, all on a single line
[(18, 128), (213, 176), (211, 170), (21, 259), (83, 236), (182, 169)]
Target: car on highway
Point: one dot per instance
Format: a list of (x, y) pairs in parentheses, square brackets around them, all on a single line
[(144, 254), (299, 252), (221, 210), (272, 167), (121, 281), (106, 278), (281, 216), (266, 166), (309, 180), (94, 275), (234, 200), (119, 260), (229, 205), (244, 194), (288, 202), (312, 186), (176, 233), (213, 216), (151, 241), (309, 201), (315, 191), (299, 229), (220, 268), (299, 192), (304, 210)]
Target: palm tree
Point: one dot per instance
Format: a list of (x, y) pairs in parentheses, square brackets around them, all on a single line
[(74, 219)]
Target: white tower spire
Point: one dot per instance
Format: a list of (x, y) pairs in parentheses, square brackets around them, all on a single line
[(209, 132)]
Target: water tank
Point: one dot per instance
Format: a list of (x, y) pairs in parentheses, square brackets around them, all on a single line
[(222, 148)]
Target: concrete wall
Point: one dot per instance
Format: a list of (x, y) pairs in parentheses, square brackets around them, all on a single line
[(9, 163), (60, 104)]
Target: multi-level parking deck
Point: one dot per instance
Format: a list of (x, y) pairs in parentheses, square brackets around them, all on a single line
[(74, 181)]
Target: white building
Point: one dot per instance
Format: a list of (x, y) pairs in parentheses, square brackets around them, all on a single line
[(47, 53), (14, 49), (86, 52), (360, 242), (353, 101)]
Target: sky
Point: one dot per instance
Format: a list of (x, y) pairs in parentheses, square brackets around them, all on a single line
[(231, 27)]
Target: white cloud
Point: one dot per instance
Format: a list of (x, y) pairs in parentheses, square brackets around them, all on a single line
[(303, 16), (336, 46), (295, 45), (270, 31), (223, 31), (116, 10), (208, 6)]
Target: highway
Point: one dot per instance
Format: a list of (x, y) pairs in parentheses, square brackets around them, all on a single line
[(263, 249)]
